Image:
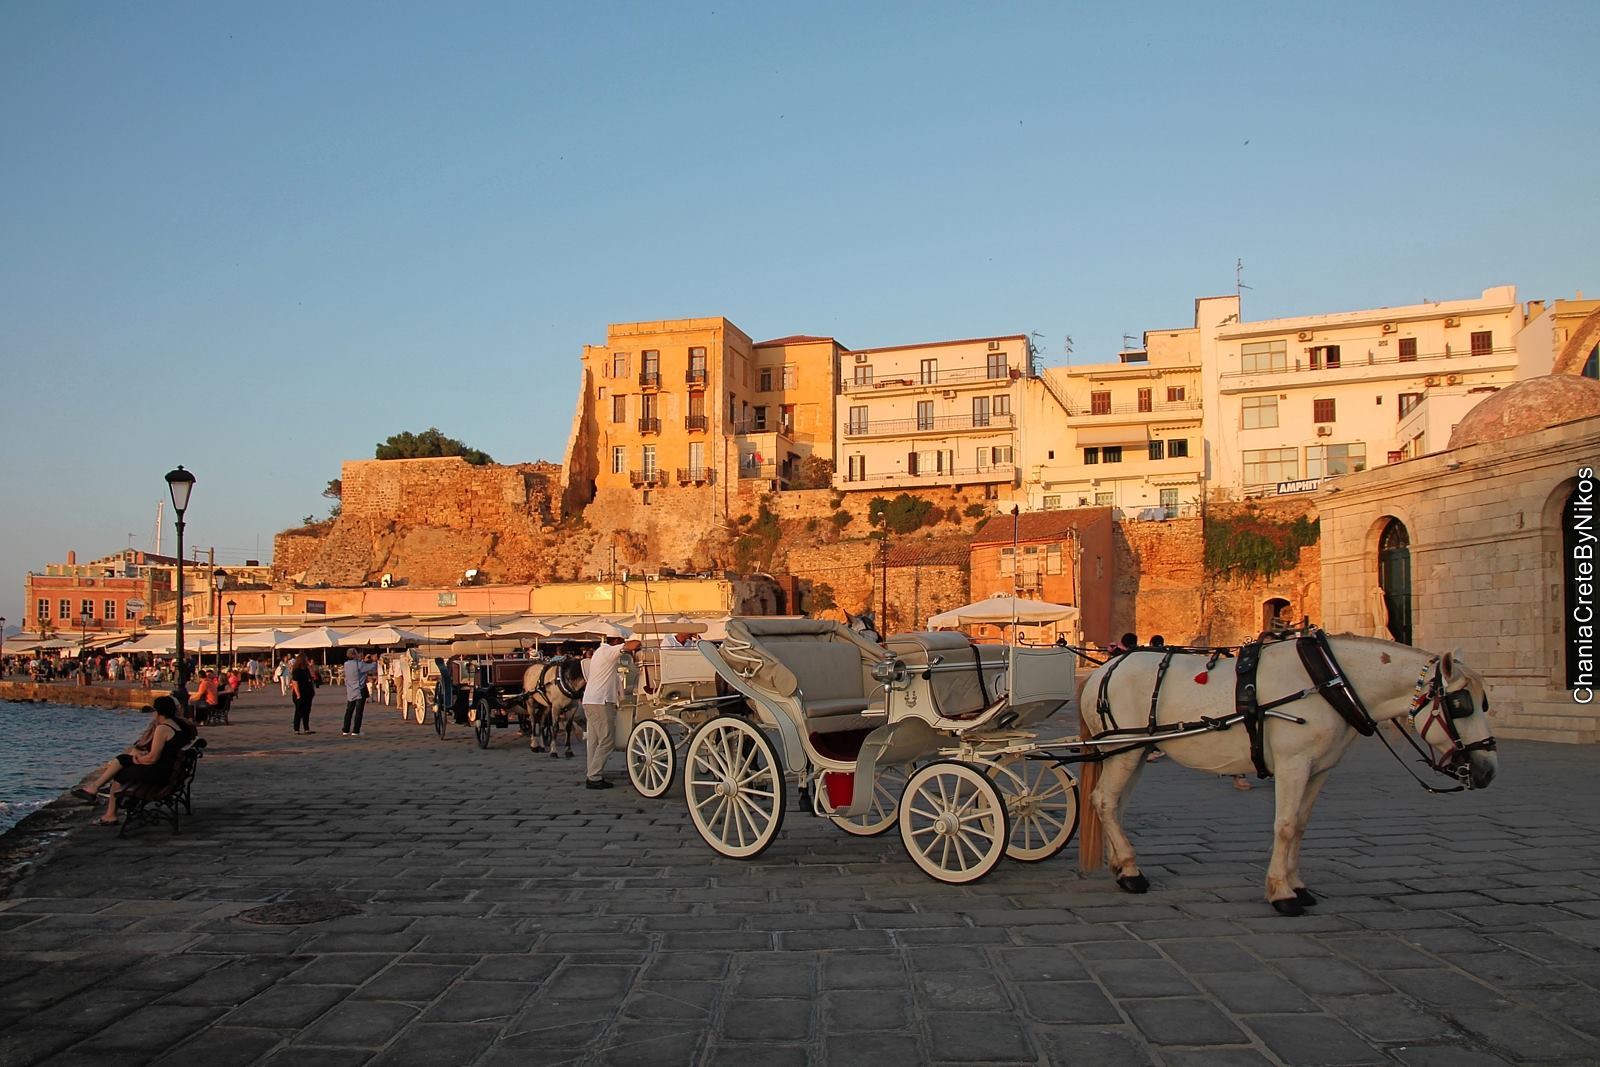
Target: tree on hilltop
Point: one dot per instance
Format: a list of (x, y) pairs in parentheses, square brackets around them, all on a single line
[(428, 444)]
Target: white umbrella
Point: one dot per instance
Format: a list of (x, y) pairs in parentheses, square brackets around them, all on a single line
[(1002, 610), (382, 637), (523, 626), (472, 628), (595, 627), (262, 640), (163, 643), (321, 637)]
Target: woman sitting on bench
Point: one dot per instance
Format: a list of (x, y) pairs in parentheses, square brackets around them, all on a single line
[(149, 762)]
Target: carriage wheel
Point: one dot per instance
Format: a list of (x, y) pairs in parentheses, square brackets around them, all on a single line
[(482, 718), (733, 784), (419, 708), (438, 720), (879, 818), (953, 821), (1042, 804), (652, 760)]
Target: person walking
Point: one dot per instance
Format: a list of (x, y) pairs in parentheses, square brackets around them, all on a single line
[(600, 708), (285, 669), (357, 671), (303, 687)]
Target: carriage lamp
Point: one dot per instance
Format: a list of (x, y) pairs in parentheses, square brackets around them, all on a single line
[(180, 483)]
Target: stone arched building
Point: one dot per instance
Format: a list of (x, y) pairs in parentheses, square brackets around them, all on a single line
[(1468, 549)]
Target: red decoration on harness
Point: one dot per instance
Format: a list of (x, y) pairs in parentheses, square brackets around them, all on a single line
[(1200, 679)]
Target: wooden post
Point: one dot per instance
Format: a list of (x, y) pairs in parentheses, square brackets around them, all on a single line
[(1091, 837)]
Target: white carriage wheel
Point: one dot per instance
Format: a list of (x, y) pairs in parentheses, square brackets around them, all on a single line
[(421, 709), (1042, 805), (652, 759), (879, 818), (733, 784), (953, 821)]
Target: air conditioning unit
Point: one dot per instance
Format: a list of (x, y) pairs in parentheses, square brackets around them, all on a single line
[(1305, 335), (861, 357), (1430, 380), (1452, 379), (1389, 327), (1324, 431), (1453, 320), (994, 346), (949, 394)]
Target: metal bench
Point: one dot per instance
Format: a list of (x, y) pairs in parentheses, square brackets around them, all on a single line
[(159, 803)]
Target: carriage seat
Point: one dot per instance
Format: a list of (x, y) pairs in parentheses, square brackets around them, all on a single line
[(822, 665), (959, 686)]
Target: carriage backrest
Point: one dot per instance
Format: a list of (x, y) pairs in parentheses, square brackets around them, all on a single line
[(956, 691)]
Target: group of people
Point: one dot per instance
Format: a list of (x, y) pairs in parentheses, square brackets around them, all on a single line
[(301, 679)]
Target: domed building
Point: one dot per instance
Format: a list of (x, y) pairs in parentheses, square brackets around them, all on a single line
[(1478, 549)]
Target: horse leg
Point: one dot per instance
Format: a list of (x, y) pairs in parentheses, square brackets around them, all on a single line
[(1292, 778), (1313, 787), (1110, 797)]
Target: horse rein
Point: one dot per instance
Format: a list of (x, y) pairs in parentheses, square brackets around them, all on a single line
[(1444, 708)]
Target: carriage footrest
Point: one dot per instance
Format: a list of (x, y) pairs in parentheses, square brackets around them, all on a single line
[(841, 787)]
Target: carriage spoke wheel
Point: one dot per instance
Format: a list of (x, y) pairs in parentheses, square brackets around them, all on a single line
[(953, 821), (419, 708), (438, 720), (733, 784), (480, 717), (1042, 804), (879, 818), (652, 761)]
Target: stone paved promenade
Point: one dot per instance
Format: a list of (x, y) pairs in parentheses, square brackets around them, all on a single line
[(500, 914)]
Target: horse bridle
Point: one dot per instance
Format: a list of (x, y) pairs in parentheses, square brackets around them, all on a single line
[(1445, 708)]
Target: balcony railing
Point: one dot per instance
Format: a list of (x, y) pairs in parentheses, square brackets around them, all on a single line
[(758, 470), (1155, 408), (694, 422), (953, 376), (695, 376), (648, 478), (749, 426), (650, 379), (696, 475), (1431, 362), (936, 424), (649, 425), (1004, 472)]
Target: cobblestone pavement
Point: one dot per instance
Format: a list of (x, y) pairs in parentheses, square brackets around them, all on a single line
[(501, 914)]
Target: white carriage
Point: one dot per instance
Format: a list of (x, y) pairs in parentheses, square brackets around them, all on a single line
[(669, 693), (929, 731)]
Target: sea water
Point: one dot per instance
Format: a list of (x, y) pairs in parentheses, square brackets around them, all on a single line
[(46, 749)]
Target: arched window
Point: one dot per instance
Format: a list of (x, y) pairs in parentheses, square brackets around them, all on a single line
[(1394, 578), (1591, 366)]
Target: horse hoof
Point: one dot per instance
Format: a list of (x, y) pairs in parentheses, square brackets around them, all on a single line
[(1288, 906), (554, 753), (1134, 883), (567, 754), (1303, 897)]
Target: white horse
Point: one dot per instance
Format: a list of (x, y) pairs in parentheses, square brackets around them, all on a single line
[(1443, 700), (555, 693)]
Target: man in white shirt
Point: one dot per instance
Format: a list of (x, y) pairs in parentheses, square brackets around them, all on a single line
[(679, 640), (600, 707)]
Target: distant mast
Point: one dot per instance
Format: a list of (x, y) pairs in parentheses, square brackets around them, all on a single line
[(160, 509)]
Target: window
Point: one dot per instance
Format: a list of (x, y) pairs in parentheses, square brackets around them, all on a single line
[(1325, 461), (648, 461), (1145, 400), (997, 365), (619, 459), (1169, 502), (1111, 453), (1052, 501), (128, 614), (857, 470), (924, 414), (765, 380), (1325, 357), (980, 411), (1102, 500), (858, 420), (1269, 465), (1178, 448), (1263, 357), (1259, 412), (761, 418), (619, 409), (697, 364), (1100, 403), (645, 498), (1322, 410), (697, 460), (1482, 343), (1158, 449), (863, 374), (1000, 455), (110, 611), (651, 362), (786, 418), (647, 405), (929, 462), (697, 405), (1408, 349), (43, 608), (1052, 559), (1408, 403), (1001, 404), (87, 607), (619, 364), (790, 376), (1175, 394), (1091, 456), (66, 610), (929, 374)]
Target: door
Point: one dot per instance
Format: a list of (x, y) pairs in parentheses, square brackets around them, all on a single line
[(1394, 578)]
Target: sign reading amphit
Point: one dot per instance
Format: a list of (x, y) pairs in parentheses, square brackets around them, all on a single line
[(1304, 485), (134, 603)]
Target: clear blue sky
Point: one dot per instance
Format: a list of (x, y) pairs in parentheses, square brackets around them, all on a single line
[(258, 239)]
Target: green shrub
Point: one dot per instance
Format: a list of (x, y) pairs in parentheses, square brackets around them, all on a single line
[(842, 518)]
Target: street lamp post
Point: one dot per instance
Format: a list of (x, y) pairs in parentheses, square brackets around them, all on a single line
[(233, 657), (180, 483), (219, 582), (84, 618), (2, 646)]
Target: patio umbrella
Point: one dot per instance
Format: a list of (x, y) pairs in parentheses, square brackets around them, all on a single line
[(382, 637), (523, 626), (596, 627), (1003, 610), (162, 643), (472, 628), (320, 637), (262, 640)]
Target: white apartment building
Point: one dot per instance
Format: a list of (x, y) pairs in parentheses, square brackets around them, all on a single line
[(933, 414), (1126, 434), (1289, 402)]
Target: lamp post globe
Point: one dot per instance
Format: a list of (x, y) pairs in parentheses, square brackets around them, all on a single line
[(180, 483)]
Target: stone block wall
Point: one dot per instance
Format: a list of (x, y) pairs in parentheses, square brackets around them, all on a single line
[(293, 552)]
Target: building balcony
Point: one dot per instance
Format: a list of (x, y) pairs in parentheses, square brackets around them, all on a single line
[(1080, 414), (769, 471), (937, 424), (1298, 373), (695, 376), (953, 378), (694, 422), (647, 479), (1004, 473), (650, 379), (696, 476), (750, 427), (649, 425)]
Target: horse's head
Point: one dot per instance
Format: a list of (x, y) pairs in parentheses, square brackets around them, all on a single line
[(1453, 721)]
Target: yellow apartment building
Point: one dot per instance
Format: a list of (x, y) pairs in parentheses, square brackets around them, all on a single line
[(939, 414), (1550, 327)]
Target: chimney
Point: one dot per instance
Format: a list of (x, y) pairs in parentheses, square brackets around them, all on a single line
[(72, 557)]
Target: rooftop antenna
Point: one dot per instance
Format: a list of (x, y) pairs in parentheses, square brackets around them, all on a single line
[(1238, 278), (1129, 340)]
